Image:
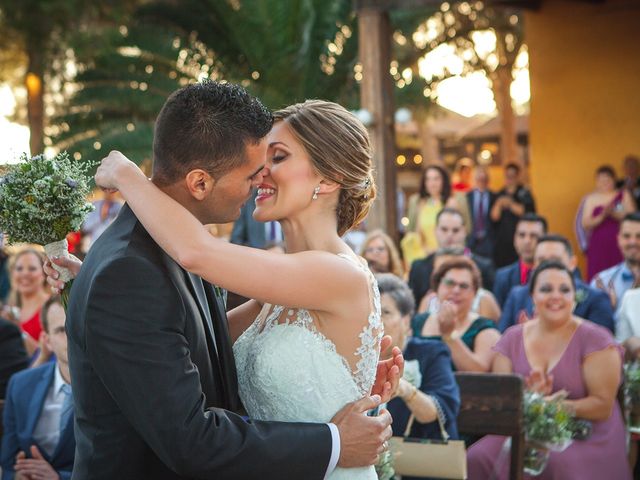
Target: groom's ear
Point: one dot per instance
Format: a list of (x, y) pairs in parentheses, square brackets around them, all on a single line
[(199, 183)]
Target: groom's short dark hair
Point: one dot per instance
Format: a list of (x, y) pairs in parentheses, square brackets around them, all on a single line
[(206, 125)]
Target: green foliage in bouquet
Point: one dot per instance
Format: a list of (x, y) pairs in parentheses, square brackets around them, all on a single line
[(41, 200), (546, 421), (384, 467), (632, 382)]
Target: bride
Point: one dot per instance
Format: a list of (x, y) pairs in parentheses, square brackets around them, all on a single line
[(309, 340)]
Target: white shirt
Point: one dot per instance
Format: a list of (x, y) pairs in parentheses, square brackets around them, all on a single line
[(629, 316), (335, 449), (47, 431)]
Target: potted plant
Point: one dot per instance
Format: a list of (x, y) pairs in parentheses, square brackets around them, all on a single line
[(632, 392)]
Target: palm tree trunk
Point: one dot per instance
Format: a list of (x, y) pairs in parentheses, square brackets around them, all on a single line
[(34, 82), (501, 79), (508, 136)]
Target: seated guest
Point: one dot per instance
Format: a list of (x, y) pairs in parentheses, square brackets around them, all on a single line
[(469, 336), (628, 327), (615, 281), (38, 440), (450, 232), (381, 254), (590, 303), (558, 352), (13, 356), (529, 229), (29, 293), (427, 363), (484, 303)]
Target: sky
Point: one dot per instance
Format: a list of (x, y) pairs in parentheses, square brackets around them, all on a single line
[(14, 138)]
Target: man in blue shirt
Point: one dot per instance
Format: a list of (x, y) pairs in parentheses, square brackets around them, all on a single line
[(38, 440), (591, 304), (615, 281)]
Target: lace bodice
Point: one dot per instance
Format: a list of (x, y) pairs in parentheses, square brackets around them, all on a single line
[(289, 371)]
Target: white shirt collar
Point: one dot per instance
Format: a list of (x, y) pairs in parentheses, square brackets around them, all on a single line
[(58, 381)]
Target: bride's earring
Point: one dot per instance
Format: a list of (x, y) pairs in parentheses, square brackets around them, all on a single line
[(316, 191)]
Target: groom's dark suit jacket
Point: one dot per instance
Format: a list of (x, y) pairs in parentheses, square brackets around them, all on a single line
[(152, 368)]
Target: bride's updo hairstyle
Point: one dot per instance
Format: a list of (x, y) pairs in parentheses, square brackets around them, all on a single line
[(338, 146)]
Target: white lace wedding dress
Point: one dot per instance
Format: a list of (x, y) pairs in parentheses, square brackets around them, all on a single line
[(290, 372)]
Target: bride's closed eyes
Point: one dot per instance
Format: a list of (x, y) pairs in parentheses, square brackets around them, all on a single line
[(279, 155)]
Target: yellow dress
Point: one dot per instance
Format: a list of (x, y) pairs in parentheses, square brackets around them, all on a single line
[(421, 240), (426, 225)]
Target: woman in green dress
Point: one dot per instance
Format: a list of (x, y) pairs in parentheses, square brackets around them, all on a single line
[(470, 337)]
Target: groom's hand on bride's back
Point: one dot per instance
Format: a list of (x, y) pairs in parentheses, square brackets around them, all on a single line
[(362, 438)]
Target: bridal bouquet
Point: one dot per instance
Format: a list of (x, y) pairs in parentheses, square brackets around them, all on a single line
[(42, 200), (548, 426)]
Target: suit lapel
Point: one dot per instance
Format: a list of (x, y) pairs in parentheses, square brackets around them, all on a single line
[(225, 349), (188, 283), (515, 275), (197, 288), (37, 399)]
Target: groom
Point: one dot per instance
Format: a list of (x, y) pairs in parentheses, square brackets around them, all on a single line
[(155, 386)]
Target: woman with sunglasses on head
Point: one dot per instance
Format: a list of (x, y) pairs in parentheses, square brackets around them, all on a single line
[(469, 336), (381, 254)]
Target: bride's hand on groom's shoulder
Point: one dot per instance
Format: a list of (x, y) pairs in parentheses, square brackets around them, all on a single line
[(362, 438), (389, 372), (111, 170), (71, 263)]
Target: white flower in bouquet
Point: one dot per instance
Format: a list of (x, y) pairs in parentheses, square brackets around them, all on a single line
[(42, 200)]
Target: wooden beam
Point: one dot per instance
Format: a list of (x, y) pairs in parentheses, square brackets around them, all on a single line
[(385, 5), (376, 95)]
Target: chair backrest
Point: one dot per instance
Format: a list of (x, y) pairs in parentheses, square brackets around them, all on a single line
[(492, 404)]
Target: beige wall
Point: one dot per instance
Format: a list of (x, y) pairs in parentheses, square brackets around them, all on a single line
[(585, 98)]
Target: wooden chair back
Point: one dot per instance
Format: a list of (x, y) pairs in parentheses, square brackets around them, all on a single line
[(492, 404)]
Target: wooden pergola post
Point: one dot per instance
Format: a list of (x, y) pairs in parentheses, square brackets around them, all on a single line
[(376, 96)]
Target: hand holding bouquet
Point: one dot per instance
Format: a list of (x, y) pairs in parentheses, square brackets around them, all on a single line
[(42, 200)]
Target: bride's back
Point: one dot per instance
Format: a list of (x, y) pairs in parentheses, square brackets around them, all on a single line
[(294, 365)]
